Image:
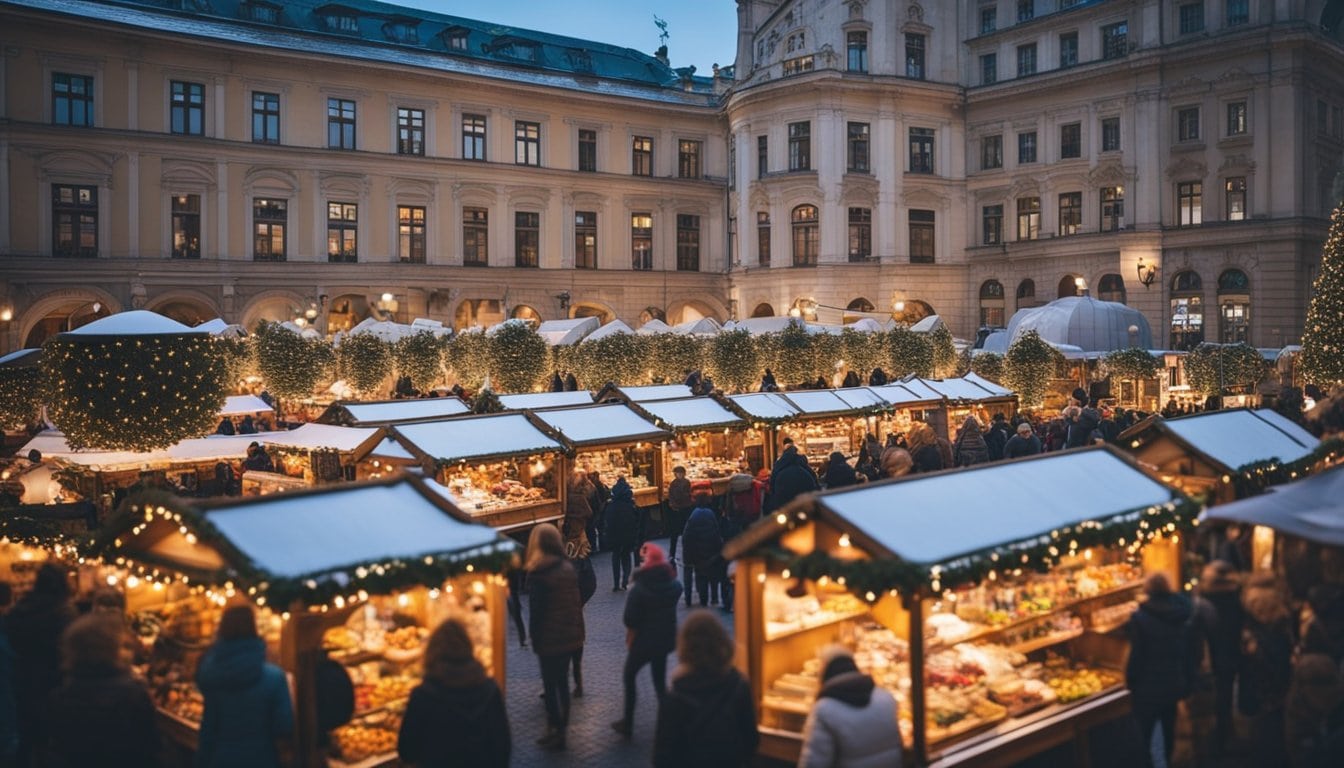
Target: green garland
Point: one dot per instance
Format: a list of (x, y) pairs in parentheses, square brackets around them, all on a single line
[(467, 356), (733, 361), (135, 393), (1132, 364), (672, 354), (1252, 479), (1212, 369), (291, 365), (517, 355), (1322, 360), (365, 362), (21, 396), (1028, 366), (988, 365), (420, 356), (944, 353), (240, 355), (862, 351), (908, 353)]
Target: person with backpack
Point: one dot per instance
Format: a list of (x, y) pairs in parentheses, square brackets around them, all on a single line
[(1159, 671), (708, 719)]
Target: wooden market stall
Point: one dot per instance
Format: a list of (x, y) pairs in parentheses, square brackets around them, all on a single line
[(240, 406), (503, 470), (387, 412), (361, 573), (536, 400), (643, 394), (310, 455), (709, 440), (830, 420), (611, 440), (1006, 612), (907, 404), (966, 397), (767, 412)]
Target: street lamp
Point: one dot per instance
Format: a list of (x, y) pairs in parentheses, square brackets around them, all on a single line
[(1147, 273)]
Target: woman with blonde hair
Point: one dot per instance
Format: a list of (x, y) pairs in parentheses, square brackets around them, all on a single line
[(708, 719), (555, 621)]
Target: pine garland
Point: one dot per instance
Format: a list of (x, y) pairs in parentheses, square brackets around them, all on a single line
[(240, 355), (944, 353), (908, 353), (467, 357), (420, 356), (1322, 360), (621, 358), (1028, 366), (291, 366), (21, 396), (673, 354), (1213, 369), (792, 358), (1252, 479), (365, 362), (518, 356), (733, 361)]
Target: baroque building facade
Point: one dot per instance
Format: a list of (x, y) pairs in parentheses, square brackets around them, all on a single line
[(257, 160)]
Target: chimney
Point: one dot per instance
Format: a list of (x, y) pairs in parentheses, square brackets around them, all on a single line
[(661, 55)]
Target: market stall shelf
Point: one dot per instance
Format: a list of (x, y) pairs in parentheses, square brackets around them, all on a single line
[(611, 440)]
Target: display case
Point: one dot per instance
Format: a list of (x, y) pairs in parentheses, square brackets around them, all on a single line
[(321, 453), (611, 440)]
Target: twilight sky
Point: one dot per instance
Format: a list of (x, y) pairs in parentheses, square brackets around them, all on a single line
[(700, 32)]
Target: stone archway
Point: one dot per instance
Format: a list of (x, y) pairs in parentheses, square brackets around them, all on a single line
[(64, 310), (693, 309), (275, 306), (189, 308), (763, 310), (602, 312)]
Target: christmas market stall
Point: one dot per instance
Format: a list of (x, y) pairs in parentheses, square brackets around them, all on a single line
[(388, 412), (359, 574), (611, 440), (831, 420), (908, 403), (767, 412), (237, 407), (966, 397), (1007, 613), (535, 400), (503, 470), (709, 439), (311, 455), (644, 394)]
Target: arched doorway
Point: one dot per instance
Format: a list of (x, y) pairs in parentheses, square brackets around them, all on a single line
[(1111, 287), (763, 310), (1026, 294), (911, 311), (860, 305), (189, 312), (652, 313), (991, 304), (603, 314), (525, 312), (1187, 310), (1069, 286), (65, 317), (474, 312), (347, 311)]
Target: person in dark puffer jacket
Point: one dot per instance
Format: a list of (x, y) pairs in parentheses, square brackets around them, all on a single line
[(622, 532), (790, 478), (247, 707), (708, 719), (1159, 672), (555, 620), (701, 542), (650, 620), (457, 715)]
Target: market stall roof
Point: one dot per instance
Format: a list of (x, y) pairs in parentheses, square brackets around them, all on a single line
[(314, 437), (959, 389), (137, 322), (987, 385), (817, 402), (53, 445), (546, 399), (903, 395), (558, 333), (758, 326), (705, 325), (691, 413), (860, 398), (600, 425), (1228, 440), (919, 388), (770, 406), (928, 324), (472, 438), (1288, 426), (613, 328), (392, 411), (22, 358), (1311, 508), (239, 405), (867, 325), (645, 394), (654, 326), (391, 449)]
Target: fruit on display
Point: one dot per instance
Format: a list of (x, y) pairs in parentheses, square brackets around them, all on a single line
[(183, 700), (1074, 684), (389, 689), (340, 640), (358, 742)]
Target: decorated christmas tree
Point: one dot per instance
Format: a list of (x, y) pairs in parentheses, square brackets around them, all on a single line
[(1323, 338)]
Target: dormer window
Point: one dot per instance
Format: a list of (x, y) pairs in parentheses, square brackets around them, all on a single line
[(579, 60), (513, 48), (455, 38), (261, 11), (797, 41), (340, 19), (402, 31)]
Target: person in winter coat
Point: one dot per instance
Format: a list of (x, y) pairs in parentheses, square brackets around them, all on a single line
[(258, 460), (896, 462), (1315, 713), (247, 426), (622, 530), (838, 472), (1024, 443), (924, 449), (557, 383), (768, 383), (701, 544), (225, 427), (571, 383), (456, 715), (744, 499), (106, 716), (708, 719), (852, 379), (998, 435), (650, 620), (877, 378), (578, 502), (247, 706), (1219, 619), (34, 626), (1266, 665), (1158, 673), (679, 506), (555, 619), (791, 477), (866, 466), (1083, 420), (970, 448), (1324, 629), (853, 722)]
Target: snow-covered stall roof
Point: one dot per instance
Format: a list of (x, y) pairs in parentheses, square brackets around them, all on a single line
[(654, 326), (314, 437), (1311, 508), (21, 358), (610, 329), (959, 389), (815, 402), (53, 445), (928, 324), (765, 405), (993, 389), (221, 327), (903, 395), (391, 449), (1089, 324), (691, 413), (867, 325), (475, 437), (1229, 439), (860, 398), (705, 325), (394, 411), (920, 389), (1288, 426), (558, 333), (239, 405), (601, 424), (653, 392), (546, 399), (137, 322)]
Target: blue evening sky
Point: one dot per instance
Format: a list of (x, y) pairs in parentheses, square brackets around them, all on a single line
[(700, 32)]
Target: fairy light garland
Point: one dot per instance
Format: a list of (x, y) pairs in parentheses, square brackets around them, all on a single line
[(1252, 479), (21, 394), (1322, 360), (1028, 366)]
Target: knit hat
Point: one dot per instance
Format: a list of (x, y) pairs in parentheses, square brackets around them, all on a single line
[(836, 660), (652, 555), (1024, 428)]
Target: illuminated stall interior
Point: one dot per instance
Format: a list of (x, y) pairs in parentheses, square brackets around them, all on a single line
[(611, 440), (768, 412), (709, 440), (311, 455)]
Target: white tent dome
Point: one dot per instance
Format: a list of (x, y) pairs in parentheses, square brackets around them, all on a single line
[(1084, 322)]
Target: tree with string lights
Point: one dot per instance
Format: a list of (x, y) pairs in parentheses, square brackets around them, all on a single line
[(1322, 358)]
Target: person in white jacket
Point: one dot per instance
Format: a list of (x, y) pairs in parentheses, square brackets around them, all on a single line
[(853, 723)]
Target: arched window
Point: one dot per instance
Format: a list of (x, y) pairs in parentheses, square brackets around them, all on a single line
[(1187, 310), (652, 313), (1234, 307), (763, 310), (991, 304), (1111, 288), (524, 312), (860, 305), (911, 311), (1068, 286), (806, 236), (1026, 294)]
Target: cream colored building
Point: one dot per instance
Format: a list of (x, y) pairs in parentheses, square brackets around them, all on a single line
[(253, 159)]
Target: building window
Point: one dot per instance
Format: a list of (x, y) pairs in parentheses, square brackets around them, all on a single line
[(1191, 18), (921, 236), (688, 243), (858, 51), (991, 217), (475, 237), (526, 143), (1026, 147), (1189, 203), (270, 218), (798, 66), (340, 22), (1236, 118), (1115, 40), (1110, 134), (186, 226), (473, 137), (457, 38), (1026, 59), (688, 159), (800, 146), (762, 156), (342, 232), (1112, 208), (1111, 288), (587, 150), (340, 124), (991, 304), (411, 234), (1234, 307), (641, 241), (187, 108), (71, 99), (1026, 10), (914, 56), (1070, 213), (1028, 218), (1187, 124), (262, 12), (1234, 192), (410, 131), (1068, 50), (585, 240), (1026, 294), (991, 152), (806, 236), (1238, 12), (921, 150), (860, 234), (526, 238), (1071, 141), (989, 19), (641, 156), (1187, 311), (989, 68), (74, 221), (265, 118), (763, 238), (857, 148)]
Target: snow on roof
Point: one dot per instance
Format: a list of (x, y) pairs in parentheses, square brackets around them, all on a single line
[(325, 436), (137, 322), (53, 445), (860, 397), (995, 343), (611, 422), (238, 405), (18, 358), (1311, 508), (1089, 324), (610, 329), (958, 389), (933, 518), (901, 394), (422, 409), (546, 399), (758, 326), (500, 434), (386, 330), (920, 389), (929, 324), (656, 392), (814, 401), (1240, 437), (691, 413), (300, 534), (565, 332), (765, 405), (866, 325), (654, 326), (391, 449), (218, 325), (702, 326), (987, 385), (1291, 428)]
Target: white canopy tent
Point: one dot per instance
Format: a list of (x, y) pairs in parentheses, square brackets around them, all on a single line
[(136, 322), (703, 326), (653, 392), (928, 324), (654, 326), (563, 333), (1089, 324), (610, 329)]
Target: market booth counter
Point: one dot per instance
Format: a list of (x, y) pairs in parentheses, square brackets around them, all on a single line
[(503, 470), (386, 412), (1007, 613), (612, 440), (831, 420), (360, 574), (313, 454), (710, 440), (907, 404)]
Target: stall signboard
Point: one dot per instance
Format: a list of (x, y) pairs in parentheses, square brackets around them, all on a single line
[(387, 412), (611, 440)]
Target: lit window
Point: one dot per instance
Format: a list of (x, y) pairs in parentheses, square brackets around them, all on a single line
[(410, 131), (270, 218), (1028, 218), (186, 212), (641, 241), (475, 237), (411, 240), (806, 236), (74, 221), (1189, 203), (641, 156), (860, 234), (1234, 189), (342, 232), (585, 239)]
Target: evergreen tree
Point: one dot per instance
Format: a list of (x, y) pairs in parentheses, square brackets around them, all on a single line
[(1323, 339)]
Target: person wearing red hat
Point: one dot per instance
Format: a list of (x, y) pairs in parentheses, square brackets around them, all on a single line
[(650, 627)]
